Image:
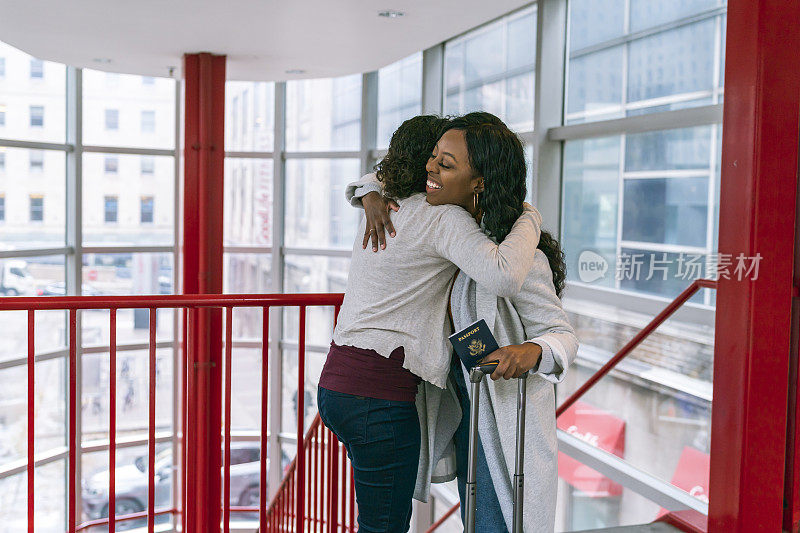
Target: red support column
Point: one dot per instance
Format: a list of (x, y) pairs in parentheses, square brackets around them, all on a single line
[(757, 216), (204, 154)]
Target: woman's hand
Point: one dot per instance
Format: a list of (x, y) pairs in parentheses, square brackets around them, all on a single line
[(376, 209), (514, 359)]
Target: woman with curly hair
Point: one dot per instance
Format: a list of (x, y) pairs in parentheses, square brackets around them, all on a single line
[(389, 335), (530, 326)]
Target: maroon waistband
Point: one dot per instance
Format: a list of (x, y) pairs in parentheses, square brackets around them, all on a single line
[(362, 372)]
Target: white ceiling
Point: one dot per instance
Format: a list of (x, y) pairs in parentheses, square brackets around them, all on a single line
[(262, 38)]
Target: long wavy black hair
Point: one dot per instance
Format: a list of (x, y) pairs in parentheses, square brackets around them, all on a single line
[(402, 170), (496, 153)]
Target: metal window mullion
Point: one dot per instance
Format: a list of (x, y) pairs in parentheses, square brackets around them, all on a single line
[(126, 249), (321, 154), (36, 252), (433, 80), (177, 375), (663, 120), (275, 357), (648, 32), (620, 199), (74, 238), (548, 107), (35, 145), (96, 149), (369, 118)]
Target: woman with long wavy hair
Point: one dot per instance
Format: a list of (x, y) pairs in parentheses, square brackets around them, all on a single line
[(390, 332), (530, 326)]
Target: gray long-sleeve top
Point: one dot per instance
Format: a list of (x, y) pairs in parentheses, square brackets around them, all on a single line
[(398, 297)]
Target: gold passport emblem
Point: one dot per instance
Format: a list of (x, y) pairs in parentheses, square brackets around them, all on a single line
[(476, 347)]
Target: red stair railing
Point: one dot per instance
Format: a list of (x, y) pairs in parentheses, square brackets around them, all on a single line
[(308, 449)]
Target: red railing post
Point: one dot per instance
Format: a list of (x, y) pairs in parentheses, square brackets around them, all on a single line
[(112, 420), (226, 464), (301, 393), (31, 413), (151, 428), (262, 484), (72, 441)]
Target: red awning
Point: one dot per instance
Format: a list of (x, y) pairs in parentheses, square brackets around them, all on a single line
[(692, 474), (601, 429)]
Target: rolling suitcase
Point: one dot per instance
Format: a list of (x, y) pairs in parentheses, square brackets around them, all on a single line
[(475, 377)]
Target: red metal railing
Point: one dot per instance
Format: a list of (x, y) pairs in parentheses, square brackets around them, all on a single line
[(323, 469), (659, 319), (330, 499)]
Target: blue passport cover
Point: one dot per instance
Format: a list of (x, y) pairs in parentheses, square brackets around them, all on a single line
[(473, 343)]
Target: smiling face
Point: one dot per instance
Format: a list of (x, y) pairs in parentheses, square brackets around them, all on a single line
[(451, 178)]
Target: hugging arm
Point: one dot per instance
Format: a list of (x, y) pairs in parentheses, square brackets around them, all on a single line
[(367, 193), (501, 268)]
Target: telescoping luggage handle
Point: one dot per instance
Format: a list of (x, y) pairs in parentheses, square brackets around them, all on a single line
[(475, 377)]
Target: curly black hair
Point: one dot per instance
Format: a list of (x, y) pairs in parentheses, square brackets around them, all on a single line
[(496, 153), (402, 170)]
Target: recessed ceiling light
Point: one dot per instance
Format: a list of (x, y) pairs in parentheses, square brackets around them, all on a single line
[(102, 60), (391, 14), (295, 71)]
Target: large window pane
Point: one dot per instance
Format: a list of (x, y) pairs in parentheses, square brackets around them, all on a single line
[(33, 188), (247, 273), (324, 114), (32, 276), (317, 214), (681, 149), (127, 274), (48, 506), (248, 202), (249, 116), (133, 382), (142, 189), (127, 110), (595, 21), (667, 69), (33, 97), (399, 95), (672, 63), (591, 197), (646, 13), (492, 69), (594, 88), (131, 483), (666, 210)]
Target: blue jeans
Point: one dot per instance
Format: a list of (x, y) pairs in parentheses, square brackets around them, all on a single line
[(382, 438), (489, 516)]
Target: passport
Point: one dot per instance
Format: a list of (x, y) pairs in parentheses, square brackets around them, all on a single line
[(473, 343)]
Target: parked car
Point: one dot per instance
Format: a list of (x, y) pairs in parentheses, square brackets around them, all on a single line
[(15, 280), (131, 482)]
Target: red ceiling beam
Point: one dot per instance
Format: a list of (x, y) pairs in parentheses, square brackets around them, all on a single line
[(204, 156), (757, 216)]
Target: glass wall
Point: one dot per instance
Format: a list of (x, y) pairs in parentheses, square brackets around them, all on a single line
[(127, 238), (492, 69), (638, 225)]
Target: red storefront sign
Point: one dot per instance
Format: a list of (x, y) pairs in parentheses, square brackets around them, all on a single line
[(691, 474), (601, 429)]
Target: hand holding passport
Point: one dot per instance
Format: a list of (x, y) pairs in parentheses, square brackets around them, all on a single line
[(473, 343)]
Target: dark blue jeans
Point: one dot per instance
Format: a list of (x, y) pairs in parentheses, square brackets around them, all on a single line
[(489, 518), (382, 438)]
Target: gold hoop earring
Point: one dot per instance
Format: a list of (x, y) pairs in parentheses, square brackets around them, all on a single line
[(475, 200)]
